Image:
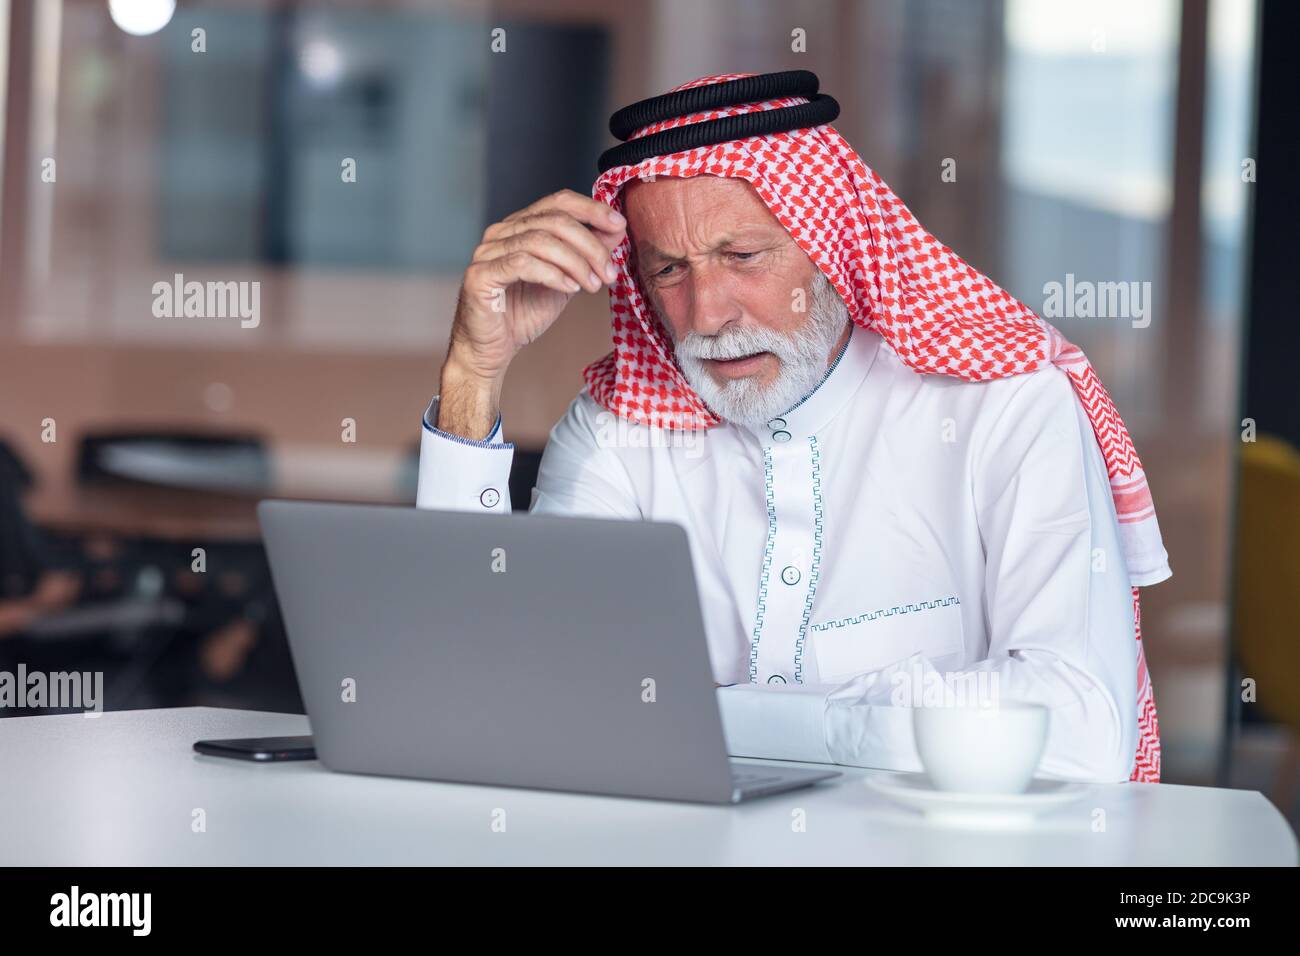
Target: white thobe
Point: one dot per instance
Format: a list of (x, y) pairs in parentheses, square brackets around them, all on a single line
[(891, 536)]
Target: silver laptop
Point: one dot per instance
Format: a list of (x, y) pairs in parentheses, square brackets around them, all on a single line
[(511, 650)]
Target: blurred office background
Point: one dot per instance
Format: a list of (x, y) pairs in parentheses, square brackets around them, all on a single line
[(1103, 140)]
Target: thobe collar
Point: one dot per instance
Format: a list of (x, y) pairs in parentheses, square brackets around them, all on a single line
[(811, 413)]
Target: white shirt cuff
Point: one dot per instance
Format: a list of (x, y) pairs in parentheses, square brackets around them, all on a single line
[(462, 474), (780, 722)]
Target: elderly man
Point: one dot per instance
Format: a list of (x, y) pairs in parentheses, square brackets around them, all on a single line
[(897, 481)]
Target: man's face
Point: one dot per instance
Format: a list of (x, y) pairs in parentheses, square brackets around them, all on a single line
[(754, 321)]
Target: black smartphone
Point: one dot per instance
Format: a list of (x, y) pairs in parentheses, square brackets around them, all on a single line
[(262, 749)]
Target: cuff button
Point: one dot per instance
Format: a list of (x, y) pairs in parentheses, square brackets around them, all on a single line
[(490, 498)]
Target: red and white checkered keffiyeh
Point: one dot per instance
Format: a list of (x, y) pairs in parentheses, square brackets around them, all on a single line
[(936, 313)]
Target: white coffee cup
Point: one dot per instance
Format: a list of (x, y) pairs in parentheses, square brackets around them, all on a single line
[(981, 749)]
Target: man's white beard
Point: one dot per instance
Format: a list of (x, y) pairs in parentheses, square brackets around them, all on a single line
[(804, 355)]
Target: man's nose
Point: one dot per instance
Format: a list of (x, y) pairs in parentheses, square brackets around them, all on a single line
[(712, 304)]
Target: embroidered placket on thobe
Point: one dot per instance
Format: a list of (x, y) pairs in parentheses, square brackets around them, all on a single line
[(792, 490)]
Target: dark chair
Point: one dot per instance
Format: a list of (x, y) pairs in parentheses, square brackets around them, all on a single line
[(255, 462), (85, 635), (523, 478), (13, 469), (24, 556)]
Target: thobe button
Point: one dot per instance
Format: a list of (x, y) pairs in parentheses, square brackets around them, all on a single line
[(790, 574), (776, 679), (776, 423), (781, 436), (489, 498)]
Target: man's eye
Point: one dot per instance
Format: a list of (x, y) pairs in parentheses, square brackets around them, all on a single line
[(738, 256)]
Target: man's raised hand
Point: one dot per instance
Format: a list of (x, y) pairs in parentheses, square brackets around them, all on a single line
[(520, 278)]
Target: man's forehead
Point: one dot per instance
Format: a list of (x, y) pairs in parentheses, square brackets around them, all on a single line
[(731, 202), (703, 188)]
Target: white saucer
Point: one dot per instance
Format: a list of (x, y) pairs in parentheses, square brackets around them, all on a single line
[(915, 790)]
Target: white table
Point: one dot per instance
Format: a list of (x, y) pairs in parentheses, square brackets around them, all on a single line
[(123, 788)]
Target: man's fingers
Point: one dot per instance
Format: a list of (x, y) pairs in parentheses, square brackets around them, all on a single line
[(610, 239), (549, 248), (583, 208), (593, 246), (520, 266)]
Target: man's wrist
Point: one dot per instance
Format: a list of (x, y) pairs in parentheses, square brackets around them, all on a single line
[(468, 403)]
